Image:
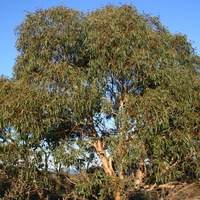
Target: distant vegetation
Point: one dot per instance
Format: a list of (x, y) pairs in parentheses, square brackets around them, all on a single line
[(111, 94)]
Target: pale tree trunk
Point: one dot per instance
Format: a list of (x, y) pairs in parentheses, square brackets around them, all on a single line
[(107, 162), (118, 196), (140, 174), (107, 166)]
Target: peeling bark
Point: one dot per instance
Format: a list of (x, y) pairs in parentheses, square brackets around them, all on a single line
[(140, 174), (107, 162), (108, 167), (118, 196)]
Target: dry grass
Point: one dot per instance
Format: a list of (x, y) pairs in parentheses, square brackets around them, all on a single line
[(185, 191)]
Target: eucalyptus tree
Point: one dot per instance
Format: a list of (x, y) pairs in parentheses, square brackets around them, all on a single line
[(111, 93)]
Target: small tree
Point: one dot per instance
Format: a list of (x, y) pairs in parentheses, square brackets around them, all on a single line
[(111, 92)]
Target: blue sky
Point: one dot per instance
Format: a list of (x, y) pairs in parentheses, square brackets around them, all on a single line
[(180, 16)]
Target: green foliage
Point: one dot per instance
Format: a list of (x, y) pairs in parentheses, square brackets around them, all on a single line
[(111, 89)]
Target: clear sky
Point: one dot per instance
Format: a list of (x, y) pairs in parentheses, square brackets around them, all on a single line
[(180, 16)]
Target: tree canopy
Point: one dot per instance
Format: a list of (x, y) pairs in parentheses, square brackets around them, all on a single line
[(110, 93)]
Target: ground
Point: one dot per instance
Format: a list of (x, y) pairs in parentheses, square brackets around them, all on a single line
[(185, 191)]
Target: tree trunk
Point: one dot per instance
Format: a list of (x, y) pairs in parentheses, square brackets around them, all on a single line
[(107, 166), (140, 174), (118, 197), (106, 161)]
